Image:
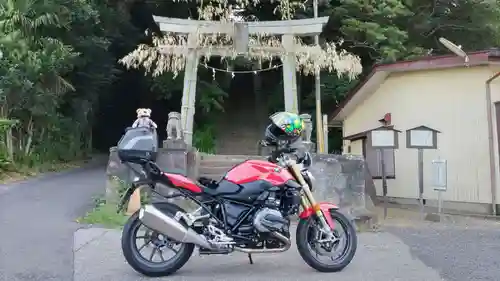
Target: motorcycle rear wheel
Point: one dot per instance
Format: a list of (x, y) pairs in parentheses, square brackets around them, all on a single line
[(309, 253), (147, 267)]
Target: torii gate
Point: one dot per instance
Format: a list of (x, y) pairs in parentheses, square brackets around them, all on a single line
[(240, 31)]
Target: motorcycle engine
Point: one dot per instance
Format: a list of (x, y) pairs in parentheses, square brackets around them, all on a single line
[(269, 220)]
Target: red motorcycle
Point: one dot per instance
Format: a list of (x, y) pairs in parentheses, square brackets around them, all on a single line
[(248, 211)]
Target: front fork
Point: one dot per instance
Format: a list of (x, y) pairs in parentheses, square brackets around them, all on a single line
[(307, 200)]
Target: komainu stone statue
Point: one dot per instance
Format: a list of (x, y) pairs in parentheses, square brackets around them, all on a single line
[(306, 134), (174, 124)]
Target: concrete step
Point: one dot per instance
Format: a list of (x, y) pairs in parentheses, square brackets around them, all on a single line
[(228, 142), (216, 166), (228, 151), (240, 134), (239, 145), (235, 157), (214, 170), (237, 137)]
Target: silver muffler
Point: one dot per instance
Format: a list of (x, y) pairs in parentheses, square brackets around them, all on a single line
[(163, 223)]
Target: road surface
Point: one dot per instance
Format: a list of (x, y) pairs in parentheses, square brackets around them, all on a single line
[(37, 223), (380, 257), (465, 250), (461, 249), (39, 241)]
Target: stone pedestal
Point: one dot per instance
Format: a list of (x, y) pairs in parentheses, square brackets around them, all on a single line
[(174, 144)]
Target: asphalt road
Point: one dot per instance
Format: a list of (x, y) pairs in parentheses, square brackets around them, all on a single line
[(37, 223), (465, 250), (39, 241), (380, 257), (461, 249)]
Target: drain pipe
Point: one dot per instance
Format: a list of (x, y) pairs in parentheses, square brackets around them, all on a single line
[(491, 144)]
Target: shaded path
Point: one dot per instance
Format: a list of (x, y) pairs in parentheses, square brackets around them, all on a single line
[(37, 223)]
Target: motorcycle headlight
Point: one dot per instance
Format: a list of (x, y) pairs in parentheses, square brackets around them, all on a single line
[(307, 161), (312, 180)]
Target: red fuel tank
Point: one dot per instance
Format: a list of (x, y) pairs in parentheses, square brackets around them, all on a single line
[(254, 170)]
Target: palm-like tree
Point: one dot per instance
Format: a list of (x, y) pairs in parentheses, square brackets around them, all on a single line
[(24, 28), (34, 62)]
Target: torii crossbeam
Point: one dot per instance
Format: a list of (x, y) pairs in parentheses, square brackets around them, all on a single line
[(239, 31)]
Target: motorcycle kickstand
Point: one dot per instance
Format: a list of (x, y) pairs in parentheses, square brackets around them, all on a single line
[(250, 258)]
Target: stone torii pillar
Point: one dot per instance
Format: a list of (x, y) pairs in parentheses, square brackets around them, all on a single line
[(240, 31)]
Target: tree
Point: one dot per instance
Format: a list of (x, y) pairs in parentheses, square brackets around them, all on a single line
[(34, 66), (389, 30), (370, 29), (474, 24), (56, 63)]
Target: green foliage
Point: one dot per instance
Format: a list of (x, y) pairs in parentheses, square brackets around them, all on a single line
[(389, 30), (210, 100), (211, 96), (5, 159), (104, 214), (371, 29), (56, 62), (204, 138), (166, 86), (473, 24), (59, 57)]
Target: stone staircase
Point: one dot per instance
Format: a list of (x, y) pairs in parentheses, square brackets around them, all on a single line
[(215, 166), (239, 127)]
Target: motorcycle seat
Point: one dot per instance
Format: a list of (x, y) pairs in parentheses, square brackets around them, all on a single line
[(220, 188), (209, 183)]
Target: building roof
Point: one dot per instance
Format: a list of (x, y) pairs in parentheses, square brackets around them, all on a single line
[(380, 72)]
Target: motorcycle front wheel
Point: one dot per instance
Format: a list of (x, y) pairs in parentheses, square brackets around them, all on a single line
[(326, 256), (146, 250)]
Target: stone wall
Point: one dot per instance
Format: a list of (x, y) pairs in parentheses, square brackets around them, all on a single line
[(340, 179)]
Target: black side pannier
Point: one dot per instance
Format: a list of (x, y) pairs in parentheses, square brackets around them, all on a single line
[(138, 145)]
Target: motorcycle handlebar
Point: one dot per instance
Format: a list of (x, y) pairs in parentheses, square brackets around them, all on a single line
[(279, 151), (275, 155)]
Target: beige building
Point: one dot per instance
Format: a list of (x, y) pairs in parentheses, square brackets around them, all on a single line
[(460, 101)]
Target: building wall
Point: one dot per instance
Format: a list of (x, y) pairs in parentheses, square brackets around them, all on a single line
[(356, 147), (495, 98), (451, 101)]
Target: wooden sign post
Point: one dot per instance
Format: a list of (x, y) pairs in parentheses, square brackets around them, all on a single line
[(384, 138), (420, 138)]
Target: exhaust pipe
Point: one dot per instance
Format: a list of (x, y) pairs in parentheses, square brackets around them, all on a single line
[(276, 235), (160, 222)]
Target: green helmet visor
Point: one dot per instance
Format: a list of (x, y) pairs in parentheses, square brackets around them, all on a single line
[(290, 123)]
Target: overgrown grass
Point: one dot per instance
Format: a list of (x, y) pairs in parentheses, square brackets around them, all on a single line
[(104, 214)]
